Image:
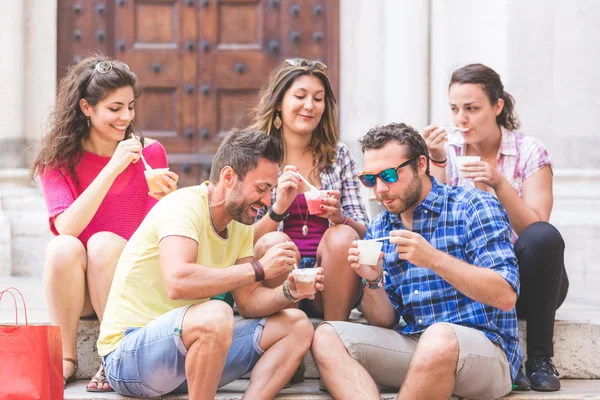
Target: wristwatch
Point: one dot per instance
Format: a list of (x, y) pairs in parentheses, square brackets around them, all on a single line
[(376, 283), (277, 217)]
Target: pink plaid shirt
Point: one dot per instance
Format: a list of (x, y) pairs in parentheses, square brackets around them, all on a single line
[(519, 157)]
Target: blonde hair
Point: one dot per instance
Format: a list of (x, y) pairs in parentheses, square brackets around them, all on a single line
[(326, 135)]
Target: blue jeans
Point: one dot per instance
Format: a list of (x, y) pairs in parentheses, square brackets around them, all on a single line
[(150, 361)]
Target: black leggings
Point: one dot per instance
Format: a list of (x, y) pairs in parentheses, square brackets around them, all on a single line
[(540, 251)]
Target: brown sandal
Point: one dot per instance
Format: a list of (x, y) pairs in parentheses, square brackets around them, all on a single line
[(99, 379), (71, 378)]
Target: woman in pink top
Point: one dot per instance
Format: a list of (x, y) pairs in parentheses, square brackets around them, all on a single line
[(95, 192), (515, 168)]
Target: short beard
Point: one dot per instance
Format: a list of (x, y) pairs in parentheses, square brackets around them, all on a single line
[(236, 206), (411, 195)]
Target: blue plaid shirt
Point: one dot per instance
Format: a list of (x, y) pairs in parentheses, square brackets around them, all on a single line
[(472, 226)]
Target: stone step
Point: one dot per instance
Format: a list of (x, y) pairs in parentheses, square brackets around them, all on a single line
[(576, 333), (309, 390)]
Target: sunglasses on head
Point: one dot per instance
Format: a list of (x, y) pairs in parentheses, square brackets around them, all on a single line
[(389, 175), (104, 67), (301, 62)]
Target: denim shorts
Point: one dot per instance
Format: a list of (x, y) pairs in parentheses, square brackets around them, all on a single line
[(150, 361)]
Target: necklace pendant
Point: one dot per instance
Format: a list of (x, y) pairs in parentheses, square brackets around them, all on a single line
[(304, 230)]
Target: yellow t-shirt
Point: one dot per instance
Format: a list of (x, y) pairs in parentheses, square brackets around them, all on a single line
[(137, 295)]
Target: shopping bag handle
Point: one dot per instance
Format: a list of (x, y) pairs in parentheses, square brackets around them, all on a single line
[(9, 291)]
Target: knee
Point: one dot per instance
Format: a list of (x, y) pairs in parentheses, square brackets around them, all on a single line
[(540, 236), (298, 324), (63, 254), (438, 348), (211, 322), (104, 248), (324, 340), (267, 241), (337, 240)]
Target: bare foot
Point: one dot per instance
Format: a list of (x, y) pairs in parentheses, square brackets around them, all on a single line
[(99, 383)]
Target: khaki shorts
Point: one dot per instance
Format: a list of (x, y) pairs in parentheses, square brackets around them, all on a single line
[(483, 372)]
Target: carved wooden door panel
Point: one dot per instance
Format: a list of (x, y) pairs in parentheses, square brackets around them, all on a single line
[(201, 62)]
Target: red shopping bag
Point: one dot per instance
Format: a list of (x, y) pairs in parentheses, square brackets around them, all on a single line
[(30, 359)]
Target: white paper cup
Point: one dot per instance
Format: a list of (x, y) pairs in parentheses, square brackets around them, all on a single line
[(369, 251), (305, 279), (461, 160)]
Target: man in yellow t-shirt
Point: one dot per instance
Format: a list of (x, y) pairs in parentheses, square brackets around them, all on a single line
[(162, 332)]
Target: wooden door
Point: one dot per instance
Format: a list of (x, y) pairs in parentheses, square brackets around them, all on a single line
[(201, 62)]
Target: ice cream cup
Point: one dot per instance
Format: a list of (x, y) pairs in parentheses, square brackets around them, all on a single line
[(369, 251), (461, 160), (313, 200), (305, 279), (153, 176)]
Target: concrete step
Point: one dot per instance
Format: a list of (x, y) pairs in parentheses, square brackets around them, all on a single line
[(309, 390), (576, 340)]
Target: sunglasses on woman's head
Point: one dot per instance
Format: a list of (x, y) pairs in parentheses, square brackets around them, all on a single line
[(389, 175), (301, 62), (104, 67)]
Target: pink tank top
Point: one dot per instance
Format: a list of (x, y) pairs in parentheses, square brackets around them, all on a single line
[(292, 226)]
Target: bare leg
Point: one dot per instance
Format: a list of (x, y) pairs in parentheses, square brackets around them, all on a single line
[(343, 376), (104, 250), (285, 339), (431, 371), (207, 333), (341, 282), (64, 283)]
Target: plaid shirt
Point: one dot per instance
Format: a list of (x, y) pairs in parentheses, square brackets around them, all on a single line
[(472, 226), (340, 176), (519, 157)]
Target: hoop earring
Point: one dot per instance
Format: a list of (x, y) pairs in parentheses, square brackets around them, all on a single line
[(277, 121), (89, 123)]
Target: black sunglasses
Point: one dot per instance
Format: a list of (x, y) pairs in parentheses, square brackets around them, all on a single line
[(389, 175), (301, 62)]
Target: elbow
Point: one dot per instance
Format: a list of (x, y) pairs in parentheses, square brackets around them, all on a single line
[(174, 288), (508, 302), (245, 311)]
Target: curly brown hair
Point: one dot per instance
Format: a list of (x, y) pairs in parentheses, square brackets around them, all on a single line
[(62, 147), (325, 136)]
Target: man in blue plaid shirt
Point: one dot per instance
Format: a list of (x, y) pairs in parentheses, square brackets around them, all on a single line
[(440, 302)]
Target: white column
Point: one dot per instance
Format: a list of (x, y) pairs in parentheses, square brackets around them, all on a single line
[(465, 32), (406, 62), (12, 61), (361, 70), (40, 68), (384, 66)]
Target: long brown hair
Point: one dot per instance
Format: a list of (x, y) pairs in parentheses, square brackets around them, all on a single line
[(493, 88), (62, 147), (326, 135)]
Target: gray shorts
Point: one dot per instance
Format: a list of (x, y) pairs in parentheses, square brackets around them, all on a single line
[(150, 361), (483, 371)]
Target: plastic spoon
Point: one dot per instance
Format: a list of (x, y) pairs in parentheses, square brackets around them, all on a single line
[(454, 128), (378, 239), (311, 187), (148, 167)]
